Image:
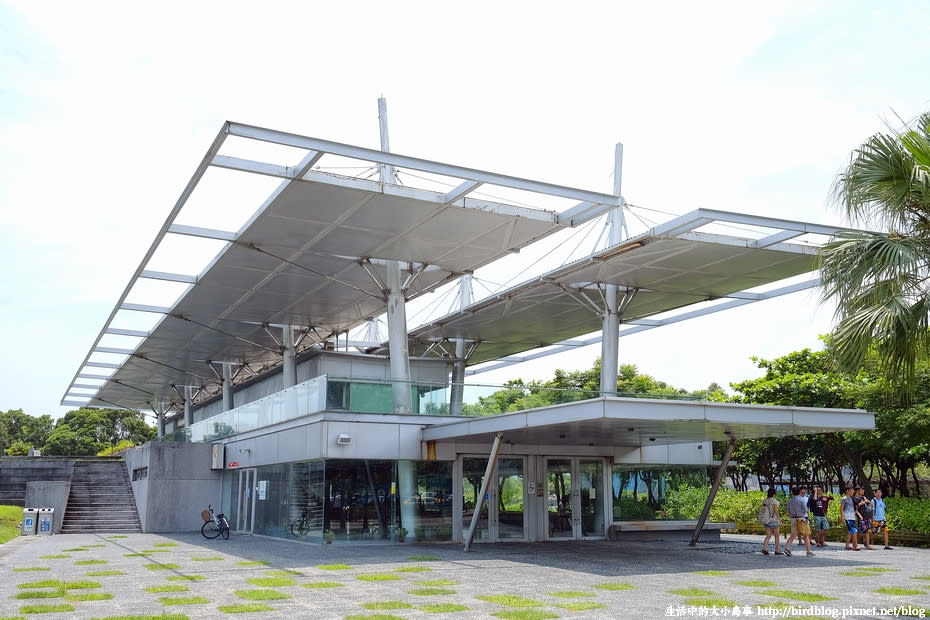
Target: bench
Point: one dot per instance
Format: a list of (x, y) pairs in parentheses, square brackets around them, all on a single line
[(666, 529)]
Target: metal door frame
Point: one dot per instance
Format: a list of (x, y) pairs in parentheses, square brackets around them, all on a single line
[(247, 482)]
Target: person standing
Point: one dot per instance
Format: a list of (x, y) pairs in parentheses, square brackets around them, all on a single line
[(864, 511), (878, 520), (848, 507), (797, 512), (818, 504), (772, 522)]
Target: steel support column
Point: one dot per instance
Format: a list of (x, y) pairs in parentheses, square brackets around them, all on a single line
[(290, 356), (488, 472), (718, 478), (160, 417), (610, 328), (457, 395), (227, 386), (188, 413)]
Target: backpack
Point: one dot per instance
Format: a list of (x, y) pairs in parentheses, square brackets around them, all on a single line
[(765, 514)]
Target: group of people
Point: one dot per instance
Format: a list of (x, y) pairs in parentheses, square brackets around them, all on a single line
[(863, 516)]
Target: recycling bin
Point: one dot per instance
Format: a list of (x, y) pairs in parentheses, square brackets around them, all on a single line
[(29, 521), (46, 520)]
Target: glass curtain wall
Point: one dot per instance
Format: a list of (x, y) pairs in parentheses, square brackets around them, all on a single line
[(646, 494)]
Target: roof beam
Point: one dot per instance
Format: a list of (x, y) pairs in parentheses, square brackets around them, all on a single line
[(460, 191), (784, 235), (103, 365), (126, 332), (206, 233), (116, 350), (145, 308), (168, 277)]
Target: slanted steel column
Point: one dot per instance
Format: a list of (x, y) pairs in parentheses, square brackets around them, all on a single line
[(188, 414), (396, 303), (718, 478), (457, 396), (227, 386), (160, 417), (488, 472), (290, 357), (610, 328)]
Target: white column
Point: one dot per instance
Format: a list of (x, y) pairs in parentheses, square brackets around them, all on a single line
[(227, 386), (160, 417), (188, 414), (610, 334), (457, 395), (290, 357)]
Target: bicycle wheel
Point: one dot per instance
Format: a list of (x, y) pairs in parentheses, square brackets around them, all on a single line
[(225, 530), (300, 528), (210, 529)]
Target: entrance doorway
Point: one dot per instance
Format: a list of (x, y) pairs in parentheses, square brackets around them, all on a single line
[(575, 498), (502, 516), (245, 505)]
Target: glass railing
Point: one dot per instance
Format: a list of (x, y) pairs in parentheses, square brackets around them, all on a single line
[(326, 393)]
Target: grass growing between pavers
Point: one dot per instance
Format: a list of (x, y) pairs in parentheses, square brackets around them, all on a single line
[(712, 573), (245, 608), (183, 600), (510, 600), (374, 617), (186, 578), (613, 585), (56, 556), (262, 595), (29, 569), (82, 584), (422, 558), (899, 591), (89, 596), (431, 591), (46, 609), (334, 566), (161, 566), (104, 573), (756, 583), (164, 616), (378, 577), (270, 582), (794, 595), (166, 544), (524, 614), (120, 536), (581, 605), (141, 554), (413, 569), (571, 594), (283, 573), (442, 608), (253, 563), (922, 577), (89, 562), (166, 588), (313, 585), (210, 558), (150, 551), (386, 605), (31, 594), (868, 571), (75, 549), (692, 592), (436, 582), (709, 601)]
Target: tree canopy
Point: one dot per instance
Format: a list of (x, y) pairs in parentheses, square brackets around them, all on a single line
[(81, 432)]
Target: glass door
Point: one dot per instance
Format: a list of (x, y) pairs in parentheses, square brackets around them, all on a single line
[(501, 515), (575, 498), (245, 512), (559, 498)]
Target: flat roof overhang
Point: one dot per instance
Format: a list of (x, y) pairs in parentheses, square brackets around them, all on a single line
[(637, 422)]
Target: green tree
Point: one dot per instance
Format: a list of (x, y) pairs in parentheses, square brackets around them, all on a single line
[(880, 282), (85, 431), (20, 431)]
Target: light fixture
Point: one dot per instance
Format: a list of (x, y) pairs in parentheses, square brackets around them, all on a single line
[(344, 439)]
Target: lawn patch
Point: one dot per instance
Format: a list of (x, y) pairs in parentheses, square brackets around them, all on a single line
[(509, 600), (90, 596), (712, 573), (570, 594), (45, 609), (524, 614), (75, 549), (612, 585), (269, 582), (334, 566), (30, 569), (431, 591), (45, 583), (104, 573), (148, 551), (378, 577), (797, 596), (709, 601), (899, 591), (165, 544), (867, 571), (283, 573), (30, 594), (387, 605), (441, 608), (422, 558), (253, 563), (141, 554), (209, 558), (167, 588), (581, 605), (81, 584), (413, 569), (57, 556), (118, 536), (186, 578), (374, 617), (89, 562), (162, 566), (756, 583), (321, 584), (692, 592), (261, 595), (183, 600), (245, 608), (436, 582), (922, 577)]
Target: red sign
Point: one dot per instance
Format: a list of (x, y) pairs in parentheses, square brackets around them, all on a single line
[(234, 463)]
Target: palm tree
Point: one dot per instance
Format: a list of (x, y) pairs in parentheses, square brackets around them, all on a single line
[(881, 282)]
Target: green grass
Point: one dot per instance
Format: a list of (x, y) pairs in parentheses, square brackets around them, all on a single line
[(211, 558), (922, 577), (118, 536), (142, 554), (570, 594), (442, 608), (165, 544), (867, 571), (96, 546), (756, 583), (422, 558), (796, 596), (386, 605), (510, 600), (90, 596), (709, 601), (45, 609), (334, 566), (269, 582), (167, 588), (31, 569), (524, 614), (150, 551), (10, 516), (162, 616), (57, 556), (45, 583), (104, 573), (899, 591), (29, 594), (321, 584), (162, 566), (431, 591), (283, 573), (186, 578), (183, 600), (261, 595), (374, 617), (413, 569), (253, 563), (81, 584), (611, 585), (436, 582), (712, 573), (245, 608), (581, 605), (89, 562), (692, 592), (378, 577), (75, 549)]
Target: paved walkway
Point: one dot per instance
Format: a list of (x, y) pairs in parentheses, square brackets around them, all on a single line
[(184, 574)]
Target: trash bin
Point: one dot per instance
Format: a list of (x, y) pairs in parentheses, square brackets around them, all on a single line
[(45, 521), (29, 521)]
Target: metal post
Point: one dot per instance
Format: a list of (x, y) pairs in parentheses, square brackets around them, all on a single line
[(188, 413), (160, 417), (457, 396), (290, 357), (718, 478), (488, 472), (610, 328), (227, 386)]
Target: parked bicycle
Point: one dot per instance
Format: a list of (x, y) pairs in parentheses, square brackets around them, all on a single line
[(301, 527), (214, 524)]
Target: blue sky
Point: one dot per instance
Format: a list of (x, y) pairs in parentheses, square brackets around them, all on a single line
[(106, 109)]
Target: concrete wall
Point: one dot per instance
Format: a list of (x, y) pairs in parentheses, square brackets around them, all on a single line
[(49, 495), (172, 483)]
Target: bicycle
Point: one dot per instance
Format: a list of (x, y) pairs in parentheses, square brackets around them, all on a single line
[(301, 527), (214, 524)]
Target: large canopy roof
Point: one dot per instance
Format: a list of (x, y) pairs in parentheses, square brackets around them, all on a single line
[(310, 252)]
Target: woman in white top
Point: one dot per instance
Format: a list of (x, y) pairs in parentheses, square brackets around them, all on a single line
[(773, 524)]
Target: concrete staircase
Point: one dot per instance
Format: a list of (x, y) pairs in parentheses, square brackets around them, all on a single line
[(101, 499)]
